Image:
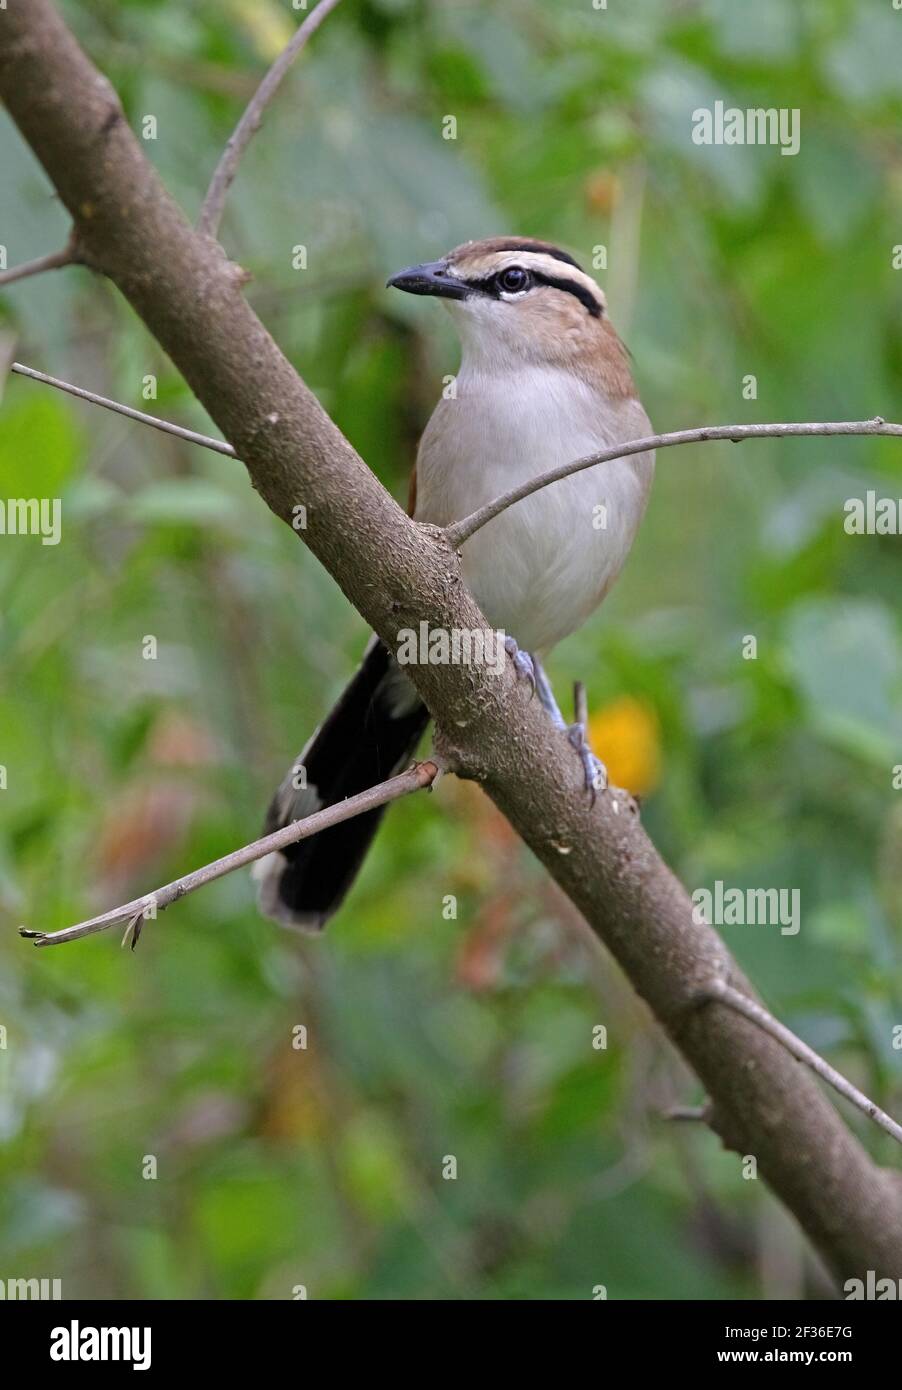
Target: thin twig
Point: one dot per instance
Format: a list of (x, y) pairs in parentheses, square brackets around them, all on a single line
[(419, 776), (462, 530), (55, 261), (214, 201), (726, 994), (219, 445)]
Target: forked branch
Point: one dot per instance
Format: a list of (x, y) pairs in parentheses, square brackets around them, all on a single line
[(460, 531), (725, 994)]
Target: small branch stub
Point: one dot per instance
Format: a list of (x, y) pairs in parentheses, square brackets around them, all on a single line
[(54, 261)]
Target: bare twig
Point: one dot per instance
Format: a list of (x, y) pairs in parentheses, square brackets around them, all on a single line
[(133, 913), (214, 202), (219, 445), (462, 530), (55, 261), (734, 999)]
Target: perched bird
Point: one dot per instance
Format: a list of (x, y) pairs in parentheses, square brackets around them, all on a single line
[(543, 379)]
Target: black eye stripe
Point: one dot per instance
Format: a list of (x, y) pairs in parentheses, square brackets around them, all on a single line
[(584, 295), (489, 285)]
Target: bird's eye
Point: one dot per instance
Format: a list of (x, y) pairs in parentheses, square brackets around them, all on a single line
[(513, 279)]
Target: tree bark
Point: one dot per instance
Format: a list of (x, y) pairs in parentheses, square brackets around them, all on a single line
[(397, 573)]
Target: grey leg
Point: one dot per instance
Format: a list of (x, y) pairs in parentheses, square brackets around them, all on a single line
[(596, 774), (546, 695), (595, 771)]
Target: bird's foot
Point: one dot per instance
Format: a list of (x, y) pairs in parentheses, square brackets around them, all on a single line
[(523, 662), (595, 772)]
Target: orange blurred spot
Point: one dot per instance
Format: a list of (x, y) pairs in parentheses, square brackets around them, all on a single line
[(178, 741), (294, 1102), (626, 735), (150, 816), (143, 824), (480, 957), (602, 190)]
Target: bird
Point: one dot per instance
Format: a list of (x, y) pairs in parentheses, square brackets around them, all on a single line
[(543, 379)]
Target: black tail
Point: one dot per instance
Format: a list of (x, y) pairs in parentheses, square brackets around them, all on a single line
[(371, 734)]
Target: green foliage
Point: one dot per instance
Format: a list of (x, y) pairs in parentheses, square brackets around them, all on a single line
[(432, 1036)]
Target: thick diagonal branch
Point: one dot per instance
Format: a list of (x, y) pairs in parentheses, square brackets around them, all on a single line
[(397, 573)]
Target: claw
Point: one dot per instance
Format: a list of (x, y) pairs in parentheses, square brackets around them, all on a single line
[(523, 662), (596, 773)]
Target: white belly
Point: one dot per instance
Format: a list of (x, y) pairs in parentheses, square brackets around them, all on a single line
[(540, 568)]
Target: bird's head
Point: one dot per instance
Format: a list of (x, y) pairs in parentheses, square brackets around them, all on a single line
[(517, 299)]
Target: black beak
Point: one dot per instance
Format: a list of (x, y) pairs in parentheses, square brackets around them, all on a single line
[(433, 277)]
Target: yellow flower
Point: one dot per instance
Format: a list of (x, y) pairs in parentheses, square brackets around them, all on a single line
[(626, 735)]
